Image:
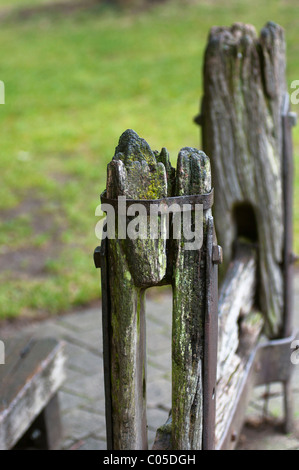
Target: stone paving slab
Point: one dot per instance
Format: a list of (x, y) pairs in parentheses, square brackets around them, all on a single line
[(82, 395)]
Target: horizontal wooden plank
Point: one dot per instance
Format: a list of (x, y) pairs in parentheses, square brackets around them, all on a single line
[(13, 348), (239, 329), (32, 374)]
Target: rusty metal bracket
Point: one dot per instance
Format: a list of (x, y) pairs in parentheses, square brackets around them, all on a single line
[(213, 259), (101, 261), (198, 119), (207, 200), (97, 257), (289, 120), (288, 174), (291, 116)]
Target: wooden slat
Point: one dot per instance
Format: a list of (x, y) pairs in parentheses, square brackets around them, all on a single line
[(193, 176), (137, 173), (239, 331), (236, 298), (27, 383), (13, 348)]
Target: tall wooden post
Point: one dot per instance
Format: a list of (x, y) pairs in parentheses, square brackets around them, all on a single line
[(244, 90), (132, 264), (193, 176)]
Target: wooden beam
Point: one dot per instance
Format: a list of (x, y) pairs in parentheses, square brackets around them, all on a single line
[(30, 378), (193, 176), (239, 330), (244, 88), (133, 265)]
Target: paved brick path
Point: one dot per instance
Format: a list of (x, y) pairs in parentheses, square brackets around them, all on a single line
[(82, 395)]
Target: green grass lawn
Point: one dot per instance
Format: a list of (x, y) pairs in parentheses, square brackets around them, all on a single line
[(27, 3), (74, 83)]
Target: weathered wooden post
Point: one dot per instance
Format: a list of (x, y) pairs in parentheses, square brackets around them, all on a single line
[(131, 263), (246, 128), (244, 95), (193, 176), (246, 131)]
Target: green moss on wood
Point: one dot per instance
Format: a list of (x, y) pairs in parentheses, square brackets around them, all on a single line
[(193, 176), (134, 265)]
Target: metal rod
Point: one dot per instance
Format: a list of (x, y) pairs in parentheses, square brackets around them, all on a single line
[(101, 261), (207, 200), (210, 341), (288, 173)]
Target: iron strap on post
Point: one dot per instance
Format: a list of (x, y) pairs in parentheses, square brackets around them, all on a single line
[(211, 318), (213, 259), (207, 200), (260, 368), (271, 362), (101, 261), (288, 121)]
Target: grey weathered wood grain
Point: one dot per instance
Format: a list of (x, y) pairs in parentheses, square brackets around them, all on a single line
[(244, 86), (193, 176), (239, 330), (226, 393), (236, 299), (137, 173), (232, 376), (30, 378)]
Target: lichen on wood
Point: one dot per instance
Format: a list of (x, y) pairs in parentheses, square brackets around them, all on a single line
[(239, 330), (134, 265), (244, 88), (193, 176), (236, 300), (135, 172)]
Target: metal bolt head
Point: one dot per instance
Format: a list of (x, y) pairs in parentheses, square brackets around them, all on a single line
[(198, 119), (217, 255), (97, 257)]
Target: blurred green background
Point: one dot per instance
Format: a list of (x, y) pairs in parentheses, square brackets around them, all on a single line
[(75, 80)]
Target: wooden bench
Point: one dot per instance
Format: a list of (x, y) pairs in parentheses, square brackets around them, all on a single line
[(29, 381)]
